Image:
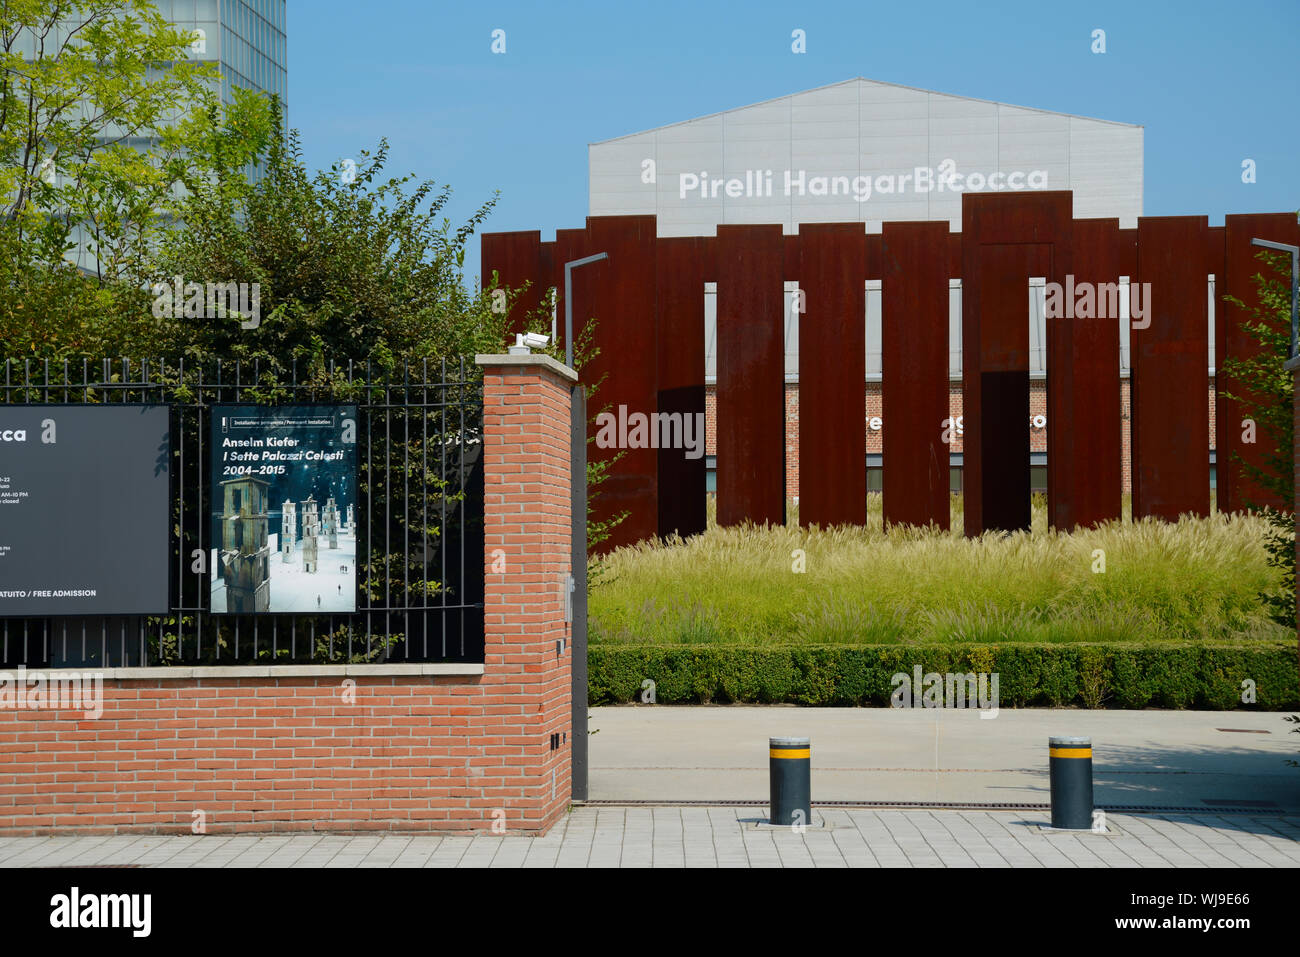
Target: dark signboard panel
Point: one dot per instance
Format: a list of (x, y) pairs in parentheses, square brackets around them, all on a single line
[(84, 494)]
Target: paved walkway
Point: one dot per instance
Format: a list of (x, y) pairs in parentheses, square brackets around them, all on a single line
[(725, 837), (1184, 760)]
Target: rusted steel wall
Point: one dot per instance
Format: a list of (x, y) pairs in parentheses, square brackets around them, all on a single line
[(518, 258), (1236, 488), (620, 296), (1086, 404), (914, 343), (1005, 241), (1170, 358), (751, 375), (649, 306), (684, 265), (832, 348)]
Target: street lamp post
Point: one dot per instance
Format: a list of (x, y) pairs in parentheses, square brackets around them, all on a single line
[(568, 301), (1295, 284), (577, 584)]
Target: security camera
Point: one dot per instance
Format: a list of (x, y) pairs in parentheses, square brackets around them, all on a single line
[(525, 342)]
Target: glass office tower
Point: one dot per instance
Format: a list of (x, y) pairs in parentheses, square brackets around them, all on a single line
[(245, 40)]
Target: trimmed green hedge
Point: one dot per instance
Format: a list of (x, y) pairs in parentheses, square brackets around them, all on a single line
[(1094, 676)]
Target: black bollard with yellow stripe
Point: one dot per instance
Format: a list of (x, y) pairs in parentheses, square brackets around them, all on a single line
[(790, 761), (1070, 771)]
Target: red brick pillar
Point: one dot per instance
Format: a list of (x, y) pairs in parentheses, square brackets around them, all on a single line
[(527, 540)]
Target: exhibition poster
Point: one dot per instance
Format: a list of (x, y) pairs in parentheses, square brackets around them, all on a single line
[(284, 509)]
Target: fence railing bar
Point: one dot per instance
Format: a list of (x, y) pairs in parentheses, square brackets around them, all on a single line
[(460, 447), (406, 511)]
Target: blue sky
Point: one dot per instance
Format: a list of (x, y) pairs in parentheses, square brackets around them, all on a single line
[(1213, 83)]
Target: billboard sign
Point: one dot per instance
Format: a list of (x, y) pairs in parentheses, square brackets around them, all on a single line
[(84, 493)]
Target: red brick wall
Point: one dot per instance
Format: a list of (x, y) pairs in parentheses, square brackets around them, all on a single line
[(409, 752)]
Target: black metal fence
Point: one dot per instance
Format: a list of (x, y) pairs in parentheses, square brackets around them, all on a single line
[(419, 521)]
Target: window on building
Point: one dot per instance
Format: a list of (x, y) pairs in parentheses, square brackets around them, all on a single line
[(1038, 479)]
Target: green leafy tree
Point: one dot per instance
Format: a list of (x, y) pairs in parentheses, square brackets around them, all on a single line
[(104, 124), (360, 269), (1266, 395), (363, 269)]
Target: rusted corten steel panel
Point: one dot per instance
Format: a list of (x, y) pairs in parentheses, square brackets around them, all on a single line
[(1237, 489), (1170, 357), (1086, 406), (1006, 239), (751, 375), (914, 342), (518, 259), (833, 369), (619, 294), (683, 265)]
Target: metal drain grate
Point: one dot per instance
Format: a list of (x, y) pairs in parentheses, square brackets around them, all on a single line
[(951, 805)]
